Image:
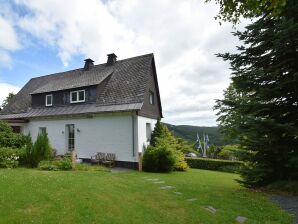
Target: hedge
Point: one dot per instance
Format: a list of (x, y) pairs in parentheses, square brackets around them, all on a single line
[(214, 164)]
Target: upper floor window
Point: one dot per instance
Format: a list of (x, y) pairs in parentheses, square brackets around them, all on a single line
[(49, 100), (151, 97), (77, 96)]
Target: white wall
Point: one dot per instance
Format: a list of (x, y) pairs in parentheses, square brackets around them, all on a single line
[(142, 137), (103, 133)]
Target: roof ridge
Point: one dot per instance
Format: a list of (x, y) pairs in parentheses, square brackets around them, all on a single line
[(77, 69)]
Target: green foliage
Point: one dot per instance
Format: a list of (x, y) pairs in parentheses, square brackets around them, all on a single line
[(41, 150), (233, 10), (260, 106), (163, 154), (26, 153), (7, 99), (10, 139), (180, 163), (54, 165), (158, 159), (213, 151), (214, 164), (284, 186), (184, 146), (232, 152), (88, 167), (8, 157)]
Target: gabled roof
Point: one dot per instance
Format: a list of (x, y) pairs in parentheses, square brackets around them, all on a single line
[(125, 85)]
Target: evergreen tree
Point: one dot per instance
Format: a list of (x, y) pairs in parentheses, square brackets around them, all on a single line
[(260, 107), (7, 100)]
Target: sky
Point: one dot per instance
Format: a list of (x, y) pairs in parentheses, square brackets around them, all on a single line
[(43, 37)]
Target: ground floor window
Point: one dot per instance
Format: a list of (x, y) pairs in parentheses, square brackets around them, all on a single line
[(70, 130), (42, 130), (16, 129), (148, 131)]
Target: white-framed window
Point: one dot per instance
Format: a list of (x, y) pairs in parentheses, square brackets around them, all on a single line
[(148, 132), (42, 130), (49, 100), (151, 97), (77, 96)]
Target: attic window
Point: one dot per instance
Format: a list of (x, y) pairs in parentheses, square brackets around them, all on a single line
[(151, 97), (77, 96), (49, 100)]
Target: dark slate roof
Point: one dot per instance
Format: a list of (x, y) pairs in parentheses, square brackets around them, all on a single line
[(124, 90)]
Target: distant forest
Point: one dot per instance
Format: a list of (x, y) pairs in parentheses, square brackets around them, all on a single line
[(189, 133)]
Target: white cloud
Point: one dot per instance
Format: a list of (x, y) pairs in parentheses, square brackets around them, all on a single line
[(8, 41), (5, 89), (183, 35)]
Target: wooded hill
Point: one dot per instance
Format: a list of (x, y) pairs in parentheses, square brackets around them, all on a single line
[(189, 133)]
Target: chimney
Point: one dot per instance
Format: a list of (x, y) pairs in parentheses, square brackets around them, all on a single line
[(112, 58), (88, 64)]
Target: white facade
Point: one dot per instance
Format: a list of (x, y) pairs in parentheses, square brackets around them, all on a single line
[(121, 133)]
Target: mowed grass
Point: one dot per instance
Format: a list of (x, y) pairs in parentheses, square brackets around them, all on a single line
[(33, 196)]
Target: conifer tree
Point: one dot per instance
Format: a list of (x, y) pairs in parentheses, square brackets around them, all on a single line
[(260, 108)]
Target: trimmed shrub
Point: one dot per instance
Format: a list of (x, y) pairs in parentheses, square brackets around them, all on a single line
[(164, 153), (158, 159), (41, 150), (26, 157), (8, 157), (54, 165), (180, 163), (214, 164)]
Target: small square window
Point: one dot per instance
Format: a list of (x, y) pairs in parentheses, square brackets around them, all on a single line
[(151, 97), (49, 100)]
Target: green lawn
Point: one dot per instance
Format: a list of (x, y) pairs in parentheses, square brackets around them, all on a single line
[(32, 196)]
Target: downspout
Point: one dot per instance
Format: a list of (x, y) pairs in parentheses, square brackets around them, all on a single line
[(133, 135)]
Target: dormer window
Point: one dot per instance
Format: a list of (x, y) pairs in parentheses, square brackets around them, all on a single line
[(49, 100), (151, 97), (77, 96)]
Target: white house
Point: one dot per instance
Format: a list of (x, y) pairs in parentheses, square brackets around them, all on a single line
[(111, 107)]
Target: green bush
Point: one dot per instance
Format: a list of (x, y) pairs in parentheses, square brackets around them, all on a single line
[(8, 157), (285, 186), (164, 153), (214, 164), (41, 150), (54, 165), (180, 163), (10, 139), (158, 159), (26, 157)]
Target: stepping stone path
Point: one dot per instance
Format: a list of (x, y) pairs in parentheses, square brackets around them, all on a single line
[(159, 182), (211, 209), (167, 187), (240, 219), (191, 199)]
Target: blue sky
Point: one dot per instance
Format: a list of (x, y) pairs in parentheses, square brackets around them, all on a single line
[(44, 37)]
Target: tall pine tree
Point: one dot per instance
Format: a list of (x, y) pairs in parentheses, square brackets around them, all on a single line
[(260, 107)]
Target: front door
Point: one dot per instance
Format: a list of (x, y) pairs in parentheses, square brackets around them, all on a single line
[(70, 137)]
